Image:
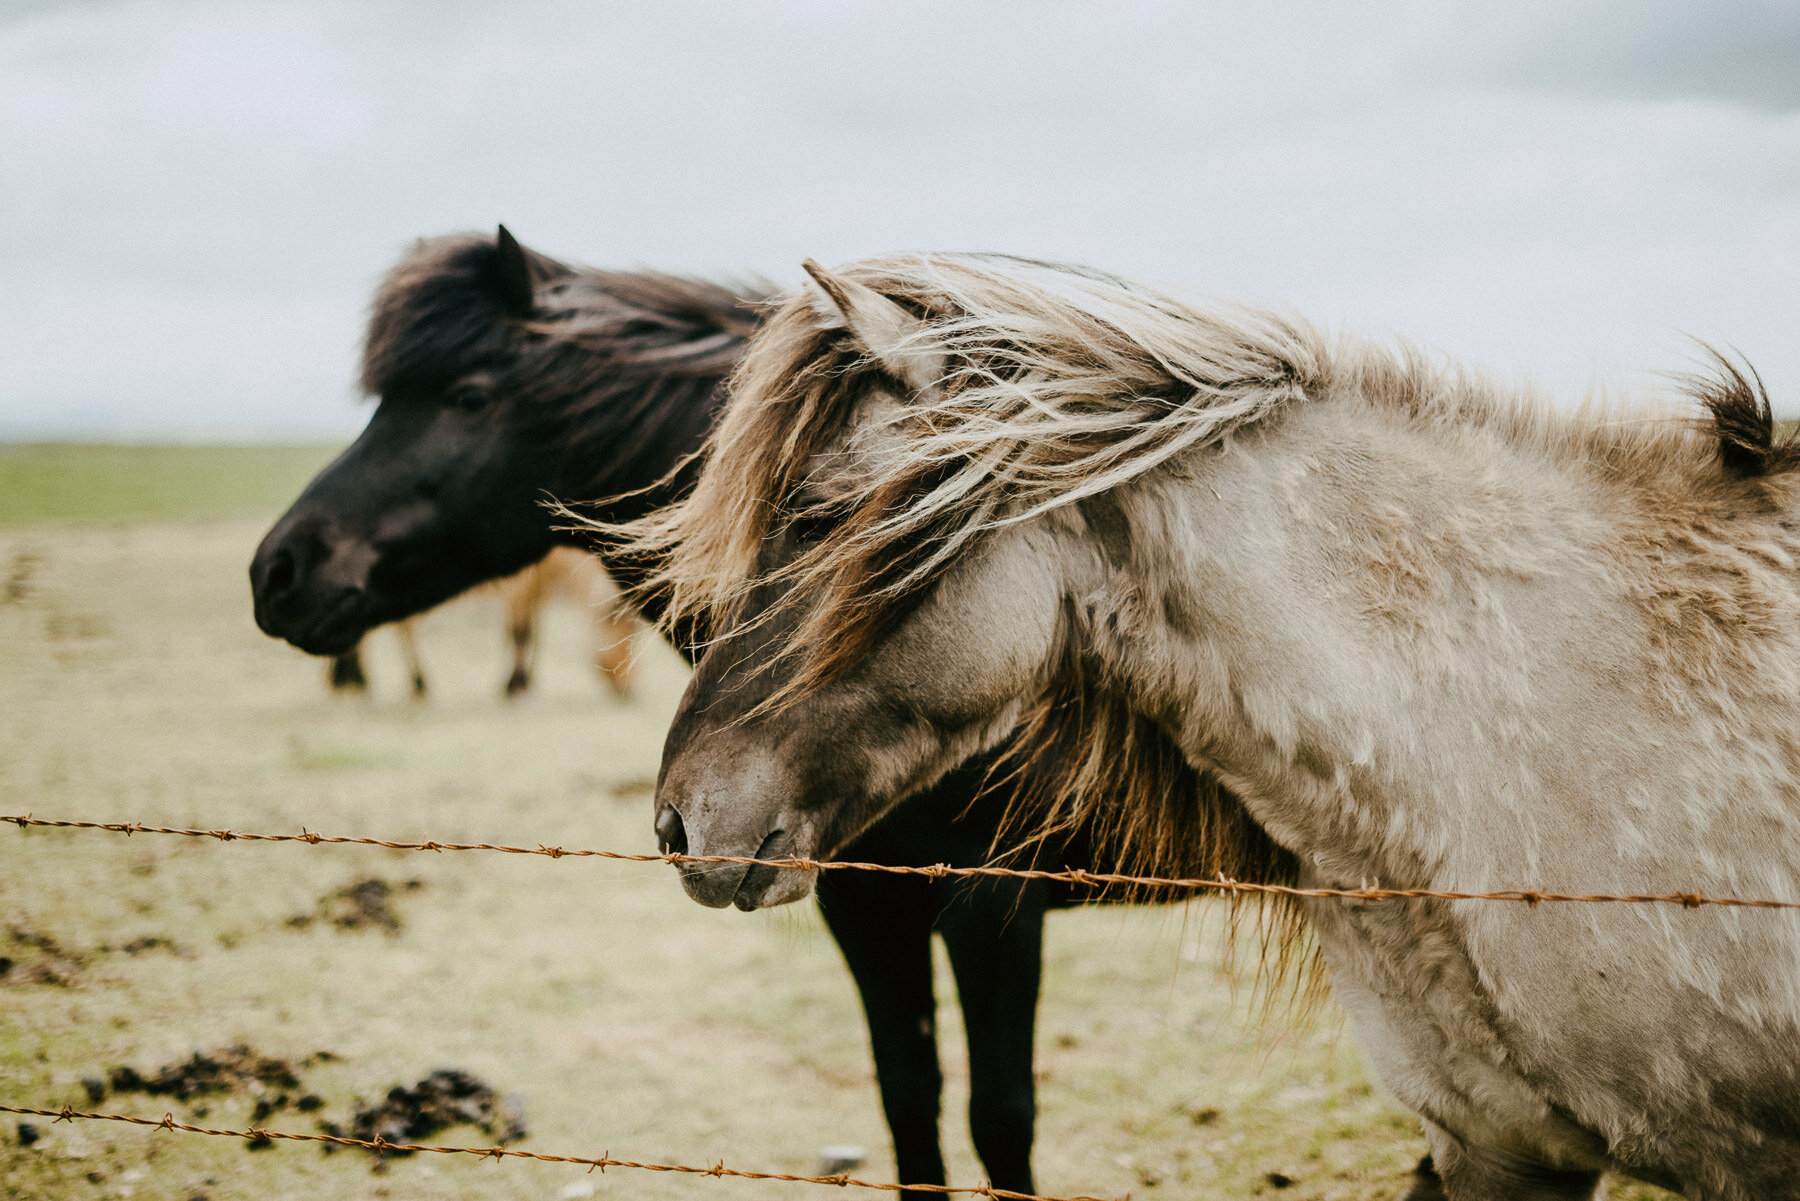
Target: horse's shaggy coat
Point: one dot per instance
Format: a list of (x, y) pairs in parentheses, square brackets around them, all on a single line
[(1431, 633)]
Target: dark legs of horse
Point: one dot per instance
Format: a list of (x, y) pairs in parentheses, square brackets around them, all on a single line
[(519, 628), (882, 925), (994, 933), (347, 672), (1488, 1174), (347, 669), (407, 634)]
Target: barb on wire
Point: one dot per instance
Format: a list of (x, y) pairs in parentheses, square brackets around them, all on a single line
[(606, 1160), (1530, 896)]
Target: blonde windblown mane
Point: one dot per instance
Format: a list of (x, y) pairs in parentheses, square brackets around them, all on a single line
[(1058, 383), (1054, 384)]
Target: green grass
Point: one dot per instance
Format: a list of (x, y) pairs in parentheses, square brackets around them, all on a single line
[(75, 482)]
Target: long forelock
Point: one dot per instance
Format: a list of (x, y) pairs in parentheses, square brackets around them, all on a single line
[(709, 542), (434, 314)]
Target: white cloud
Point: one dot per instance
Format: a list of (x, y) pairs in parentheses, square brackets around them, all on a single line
[(199, 195)]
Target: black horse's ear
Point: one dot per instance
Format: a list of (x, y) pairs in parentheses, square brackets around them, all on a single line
[(511, 273)]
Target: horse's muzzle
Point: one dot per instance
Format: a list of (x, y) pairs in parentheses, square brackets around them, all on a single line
[(310, 590), (746, 885)]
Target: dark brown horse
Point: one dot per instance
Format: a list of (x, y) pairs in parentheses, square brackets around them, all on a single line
[(505, 376)]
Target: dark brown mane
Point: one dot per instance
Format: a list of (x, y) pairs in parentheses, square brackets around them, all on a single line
[(608, 360), (441, 304)]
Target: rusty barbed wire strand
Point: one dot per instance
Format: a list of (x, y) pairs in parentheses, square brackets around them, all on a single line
[(605, 1160), (1530, 896)]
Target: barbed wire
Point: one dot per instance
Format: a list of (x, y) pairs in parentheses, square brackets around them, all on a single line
[(603, 1161), (1530, 896)]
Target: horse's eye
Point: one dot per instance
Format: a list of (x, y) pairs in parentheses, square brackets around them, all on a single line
[(470, 398), (810, 526)]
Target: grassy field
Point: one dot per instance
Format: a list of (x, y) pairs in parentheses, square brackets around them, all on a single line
[(68, 483), (135, 687)]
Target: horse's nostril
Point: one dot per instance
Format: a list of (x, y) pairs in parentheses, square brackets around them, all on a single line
[(776, 846), (281, 571), (671, 835)]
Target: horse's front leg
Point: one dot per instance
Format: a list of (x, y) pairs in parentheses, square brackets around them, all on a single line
[(1472, 1173), (347, 671), (406, 632), (882, 925), (994, 932), (523, 596)]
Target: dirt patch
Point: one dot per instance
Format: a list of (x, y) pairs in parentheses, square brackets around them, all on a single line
[(233, 1069), (155, 942), (38, 958), (631, 789), (364, 905), (76, 627), (19, 578), (448, 1097), (275, 1083)]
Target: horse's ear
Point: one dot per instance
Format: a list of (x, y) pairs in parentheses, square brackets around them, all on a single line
[(876, 321), (511, 274)]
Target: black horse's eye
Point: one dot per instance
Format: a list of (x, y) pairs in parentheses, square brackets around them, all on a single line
[(468, 398)]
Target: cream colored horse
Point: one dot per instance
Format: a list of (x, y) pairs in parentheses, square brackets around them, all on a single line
[(1428, 633)]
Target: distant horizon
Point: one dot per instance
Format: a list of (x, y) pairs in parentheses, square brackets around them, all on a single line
[(179, 438)]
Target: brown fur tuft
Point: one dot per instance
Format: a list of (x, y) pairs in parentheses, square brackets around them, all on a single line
[(1742, 419)]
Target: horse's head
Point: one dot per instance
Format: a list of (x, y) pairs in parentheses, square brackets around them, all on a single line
[(864, 658), (436, 495), (924, 525), (503, 378)]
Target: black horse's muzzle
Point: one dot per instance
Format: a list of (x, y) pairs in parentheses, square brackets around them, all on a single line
[(310, 591)]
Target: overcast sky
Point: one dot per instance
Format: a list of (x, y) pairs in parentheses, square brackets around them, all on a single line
[(196, 197)]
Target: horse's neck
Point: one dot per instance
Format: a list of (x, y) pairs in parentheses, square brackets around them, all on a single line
[(1404, 651)]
